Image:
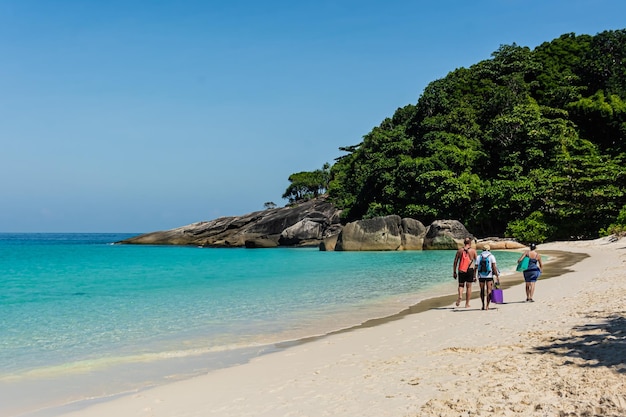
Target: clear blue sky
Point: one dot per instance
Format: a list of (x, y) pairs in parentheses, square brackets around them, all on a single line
[(136, 116)]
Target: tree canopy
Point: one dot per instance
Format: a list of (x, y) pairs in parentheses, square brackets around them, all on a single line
[(307, 184), (527, 139)]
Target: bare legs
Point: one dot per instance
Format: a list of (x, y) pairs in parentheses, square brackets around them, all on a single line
[(489, 285), (530, 291), (468, 294)]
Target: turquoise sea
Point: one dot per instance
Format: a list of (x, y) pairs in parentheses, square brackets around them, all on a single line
[(82, 318)]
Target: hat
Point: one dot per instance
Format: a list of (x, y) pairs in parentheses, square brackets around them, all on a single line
[(533, 246), (486, 247)]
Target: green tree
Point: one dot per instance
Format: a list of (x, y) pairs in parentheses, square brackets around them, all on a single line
[(584, 195), (603, 67), (308, 184), (559, 81), (365, 182), (532, 229), (602, 120), (618, 227)]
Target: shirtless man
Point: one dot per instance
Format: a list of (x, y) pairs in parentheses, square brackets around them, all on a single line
[(465, 264)]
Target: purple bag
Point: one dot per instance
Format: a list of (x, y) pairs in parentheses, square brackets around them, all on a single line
[(497, 296)]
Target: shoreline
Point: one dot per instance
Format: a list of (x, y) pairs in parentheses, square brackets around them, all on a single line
[(219, 360), (561, 262)]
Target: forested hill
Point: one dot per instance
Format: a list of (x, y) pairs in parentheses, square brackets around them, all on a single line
[(529, 143)]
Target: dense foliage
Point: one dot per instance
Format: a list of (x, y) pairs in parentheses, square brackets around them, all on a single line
[(619, 227), (530, 143)]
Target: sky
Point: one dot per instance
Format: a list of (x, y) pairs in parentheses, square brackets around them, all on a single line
[(138, 116)]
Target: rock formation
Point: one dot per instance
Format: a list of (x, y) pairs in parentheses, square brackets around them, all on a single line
[(497, 243), (446, 234), (304, 224), (317, 223), (381, 233)]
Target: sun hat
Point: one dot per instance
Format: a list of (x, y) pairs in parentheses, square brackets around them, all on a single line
[(486, 247)]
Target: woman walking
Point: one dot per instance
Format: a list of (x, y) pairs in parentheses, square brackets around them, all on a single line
[(532, 273), (487, 271)]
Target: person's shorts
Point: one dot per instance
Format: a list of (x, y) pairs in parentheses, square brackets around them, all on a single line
[(485, 279), (467, 276)]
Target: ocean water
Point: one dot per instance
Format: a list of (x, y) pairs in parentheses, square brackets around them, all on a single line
[(83, 318)]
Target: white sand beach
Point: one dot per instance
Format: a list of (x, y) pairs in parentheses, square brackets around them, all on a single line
[(563, 355)]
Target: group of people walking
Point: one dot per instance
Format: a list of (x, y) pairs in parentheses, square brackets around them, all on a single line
[(469, 266)]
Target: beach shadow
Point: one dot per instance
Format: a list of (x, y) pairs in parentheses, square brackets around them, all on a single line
[(455, 309), (463, 309), (598, 345)]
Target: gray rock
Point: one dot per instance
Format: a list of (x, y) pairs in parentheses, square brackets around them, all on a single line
[(413, 233), (305, 230), (496, 243), (313, 223), (329, 244), (381, 234), (303, 224), (445, 234), (260, 243)]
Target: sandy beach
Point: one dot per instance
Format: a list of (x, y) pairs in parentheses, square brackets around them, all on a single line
[(562, 355)]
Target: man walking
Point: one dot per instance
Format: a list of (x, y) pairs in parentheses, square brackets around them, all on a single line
[(464, 263)]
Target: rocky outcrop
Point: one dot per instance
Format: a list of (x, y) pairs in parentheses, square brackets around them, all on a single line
[(446, 234), (317, 223), (380, 234), (303, 224), (449, 234)]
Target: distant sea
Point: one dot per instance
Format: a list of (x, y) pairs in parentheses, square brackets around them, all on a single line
[(84, 319)]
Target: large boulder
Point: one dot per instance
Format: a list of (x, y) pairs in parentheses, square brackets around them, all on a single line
[(377, 234), (413, 233), (311, 230), (497, 243), (445, 234), (303, 231), (380, 234), (306, 223), (329, 244)]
